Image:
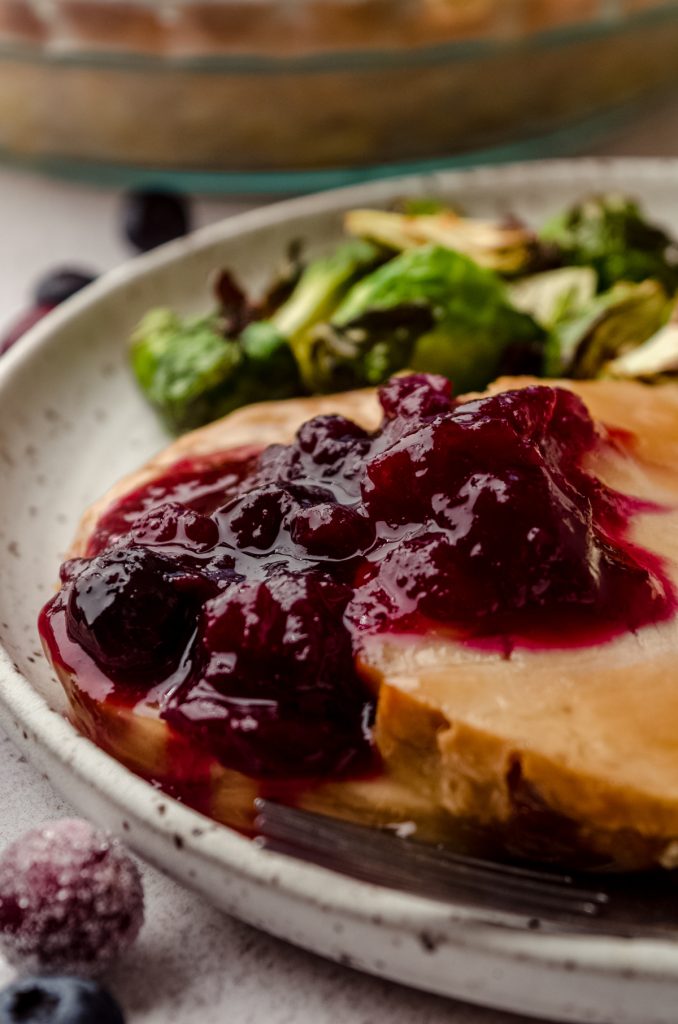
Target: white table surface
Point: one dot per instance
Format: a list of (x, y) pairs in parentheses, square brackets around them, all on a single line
[(193, 965)]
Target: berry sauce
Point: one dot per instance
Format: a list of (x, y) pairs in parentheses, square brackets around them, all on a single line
[(233, 593)]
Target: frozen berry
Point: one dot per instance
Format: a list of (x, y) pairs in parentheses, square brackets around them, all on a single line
[(59, 285), (151, 218), (71, 898), (53, 1000)]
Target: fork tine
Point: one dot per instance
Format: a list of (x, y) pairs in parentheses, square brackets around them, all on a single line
[(381, 857), (449, 889), (293, 824), (284, 816)]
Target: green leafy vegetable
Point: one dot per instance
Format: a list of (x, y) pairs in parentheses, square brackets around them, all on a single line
[(609, 234), (423, 287), (655, 358), (430, 276), (321, 288), (192, 374), (506, 246), (366, 351), (610, 325), (183, 367), (472, 348), (429, 309), (554, 294)]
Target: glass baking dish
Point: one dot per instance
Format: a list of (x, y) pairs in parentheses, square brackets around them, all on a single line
[(274, 95)]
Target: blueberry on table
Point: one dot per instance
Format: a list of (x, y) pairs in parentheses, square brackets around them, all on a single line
[(151, 218), (58, 1000), (58, 285)]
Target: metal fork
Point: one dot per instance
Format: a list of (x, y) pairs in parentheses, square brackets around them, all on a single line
[(386, 859)]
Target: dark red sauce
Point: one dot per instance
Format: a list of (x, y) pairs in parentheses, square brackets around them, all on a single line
[(233, 593)]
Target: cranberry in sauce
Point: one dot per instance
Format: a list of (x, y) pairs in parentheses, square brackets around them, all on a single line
[(238, 588), (276, 689)]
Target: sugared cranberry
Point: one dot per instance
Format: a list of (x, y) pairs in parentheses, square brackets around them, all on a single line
[(153, 217), (123, 609), (71, 899)]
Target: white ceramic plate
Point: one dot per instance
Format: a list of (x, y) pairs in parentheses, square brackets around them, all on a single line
[(72, 422)]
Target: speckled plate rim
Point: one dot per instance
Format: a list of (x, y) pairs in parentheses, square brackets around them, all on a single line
[(444, 948)]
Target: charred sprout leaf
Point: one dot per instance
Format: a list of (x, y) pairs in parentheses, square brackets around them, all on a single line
[(269, 363), (522, 358), (657, 357), (366, 351), (428, 308), (505, 246), (609, 234), (321, 288), (234, 308), (192, 374), (284, 282), (472, 345), (554, 294), (430, 276), (613, 323)]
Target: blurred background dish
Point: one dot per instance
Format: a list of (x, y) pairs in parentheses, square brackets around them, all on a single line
[(283, 95)]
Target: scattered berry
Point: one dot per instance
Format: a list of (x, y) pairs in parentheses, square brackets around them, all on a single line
[(53, 1000), (71, 898), (22, 325), (51, 290), (58, 285), (151, 218)]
